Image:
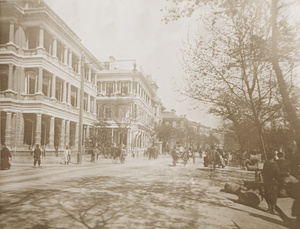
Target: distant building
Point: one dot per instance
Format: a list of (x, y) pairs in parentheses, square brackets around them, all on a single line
[(127, 100), (189, 133)]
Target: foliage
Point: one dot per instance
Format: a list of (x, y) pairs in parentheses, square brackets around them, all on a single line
[(227, 61)]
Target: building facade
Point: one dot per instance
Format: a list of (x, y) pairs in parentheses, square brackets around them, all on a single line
[(41, 64), (128, 101), (185, 132)]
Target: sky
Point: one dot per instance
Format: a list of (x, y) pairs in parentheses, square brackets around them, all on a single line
[(133, 30)]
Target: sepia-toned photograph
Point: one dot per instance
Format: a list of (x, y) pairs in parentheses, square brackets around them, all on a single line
[(150, 114)]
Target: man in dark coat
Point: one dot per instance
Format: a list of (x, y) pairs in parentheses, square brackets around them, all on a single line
[(37, 155), (5, 155), (271, 178)]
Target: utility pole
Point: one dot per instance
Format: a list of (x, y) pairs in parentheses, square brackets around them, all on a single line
[(79, 154)]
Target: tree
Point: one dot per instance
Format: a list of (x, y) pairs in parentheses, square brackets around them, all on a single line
[(102, 135), (288, 104), (229, 63), (165, 133)]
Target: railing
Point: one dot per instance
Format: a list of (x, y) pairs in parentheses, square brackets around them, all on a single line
[(30, 52)]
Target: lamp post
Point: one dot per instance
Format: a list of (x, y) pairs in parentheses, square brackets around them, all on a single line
[(79, 153)]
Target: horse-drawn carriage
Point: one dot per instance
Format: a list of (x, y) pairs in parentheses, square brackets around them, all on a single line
[(179, 154), (214, 159), (151, 153), (118, 154)]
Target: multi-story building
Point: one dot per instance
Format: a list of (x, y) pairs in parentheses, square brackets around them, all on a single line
[(188, 133), (128, 101), (41, 64)]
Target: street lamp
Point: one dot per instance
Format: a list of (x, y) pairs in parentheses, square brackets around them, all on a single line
[(79, 154)]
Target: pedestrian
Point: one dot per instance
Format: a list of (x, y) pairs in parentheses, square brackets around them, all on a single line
[(293, 191), (56, 151), (5, 155), (67, 155), (271, 178), (37, 155), (44, 150), (284, 168), (295, 165), (92, 152)]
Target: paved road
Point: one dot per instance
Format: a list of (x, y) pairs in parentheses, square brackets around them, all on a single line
[(138, 194)]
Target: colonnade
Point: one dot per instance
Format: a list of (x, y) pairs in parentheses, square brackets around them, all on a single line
[(23, 130)]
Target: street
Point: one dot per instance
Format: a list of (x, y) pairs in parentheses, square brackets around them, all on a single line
[(141, 193)]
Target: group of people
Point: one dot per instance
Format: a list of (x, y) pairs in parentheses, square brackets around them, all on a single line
[(179, 151), (279, 174), (214, 157)]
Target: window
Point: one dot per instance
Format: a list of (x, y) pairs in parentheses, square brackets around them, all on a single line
[(92, 105), (33, 38), (75, 60), (4, 32), (135, 111), (124, 88), (107, 112), (73, 96), (58, 89), (46, 86), (60, 51), (48, 42), (109, 88), (31, 83), (99, 86), (174, 124), (85, 102), (181, 124), (3, 77)]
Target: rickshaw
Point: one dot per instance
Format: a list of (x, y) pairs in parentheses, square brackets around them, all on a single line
[(177, 155)]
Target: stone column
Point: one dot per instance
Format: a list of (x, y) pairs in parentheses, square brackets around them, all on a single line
[(70, 58), (14, 131), (76, 134), (104, 86), (51, 133), (53, 84), (41, 38), (89, 103), (79, 66), (87, 135), (54, 51), (21, 130), (40, 81), (101, 87), (65, 92), (95, 79), (15, 79), (12, 32), (10, 77), (62, 134), (69, 94), (66, 56), (21, 80), (38, 130), (90, 74), (95, 106), (67, 132), (8, 129)]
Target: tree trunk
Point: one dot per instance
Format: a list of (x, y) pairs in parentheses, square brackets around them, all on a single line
[(291, 112)]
